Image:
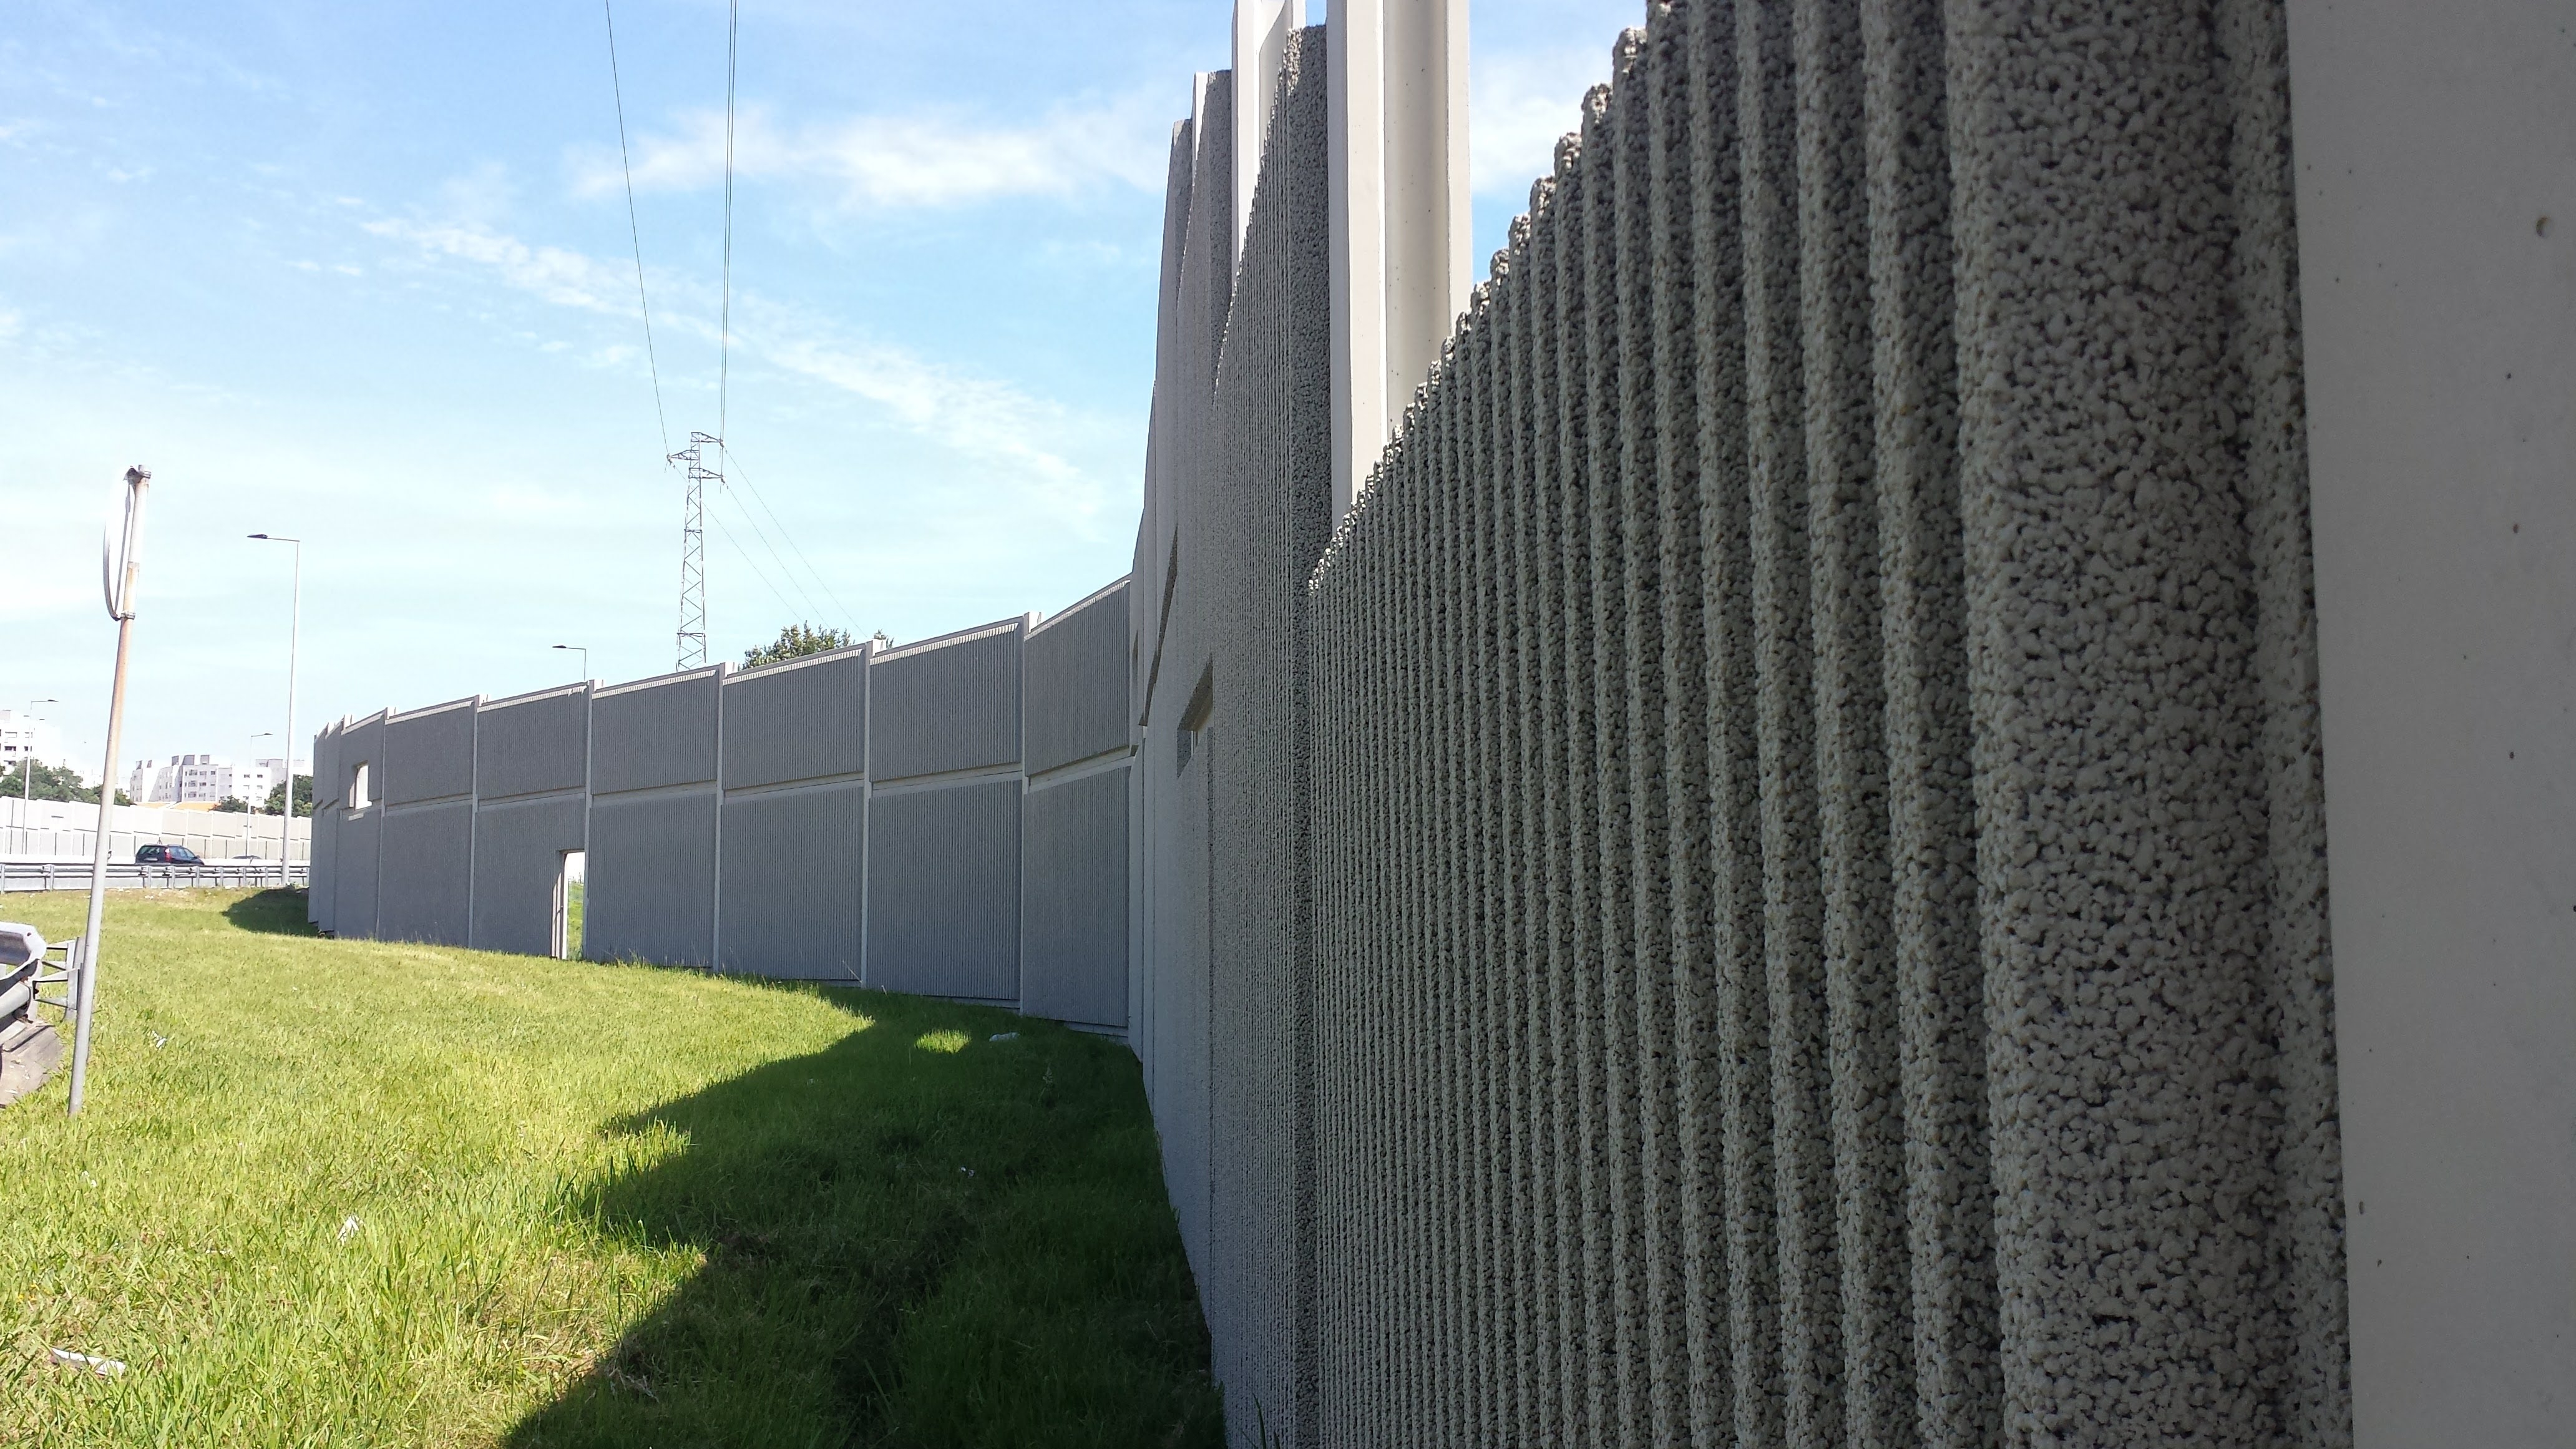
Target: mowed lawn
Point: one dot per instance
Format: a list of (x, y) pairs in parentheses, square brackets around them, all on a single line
[(349, 1193)]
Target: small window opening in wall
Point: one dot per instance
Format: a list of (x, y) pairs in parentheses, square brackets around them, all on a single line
[(358, 799), (1195, 722), (571, 889)]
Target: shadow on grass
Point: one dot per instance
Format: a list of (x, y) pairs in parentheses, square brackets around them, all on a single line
[(272, 912), (916, 1236)]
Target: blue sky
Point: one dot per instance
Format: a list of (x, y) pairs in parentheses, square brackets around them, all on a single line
[(362, 273)]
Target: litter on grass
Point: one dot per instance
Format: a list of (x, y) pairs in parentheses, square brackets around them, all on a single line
[(106, 1368), (348, 1228), (1006, 1036)]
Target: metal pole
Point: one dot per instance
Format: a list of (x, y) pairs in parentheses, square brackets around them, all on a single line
[(85, 987), (286, 801)]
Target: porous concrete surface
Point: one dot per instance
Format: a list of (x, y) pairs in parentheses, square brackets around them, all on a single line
[(518, 857), (803, 720), (351, 879), (655, 733), (326, 823), (429, 754), (425, 874), (1074, 696), (951, 703), (791, 885), (943, 910), (1073, 897), (1812, 859), (533, 743), (651, 893)]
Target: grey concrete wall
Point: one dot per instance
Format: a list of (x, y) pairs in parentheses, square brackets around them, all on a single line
[(943, 907), (1076, 704), (518, 856), (533, 743), (354, 850), (793, 861), (2437, 281), (1073, 931), (1813, 887), (425, 873), (800, 721), (951, 703), (655, 733), (651, 894), (429, 754), (325, 826)]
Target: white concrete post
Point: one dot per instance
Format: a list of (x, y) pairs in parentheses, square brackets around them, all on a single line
[(1261, 29), (1396, 77)]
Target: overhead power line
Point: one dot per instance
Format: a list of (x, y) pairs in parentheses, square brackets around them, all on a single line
[(724, 330), (634, 228)]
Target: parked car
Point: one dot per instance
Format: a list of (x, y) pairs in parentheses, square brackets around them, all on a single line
[(166, 855)]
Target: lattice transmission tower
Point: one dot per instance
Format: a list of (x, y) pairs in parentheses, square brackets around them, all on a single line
[(693, 548)]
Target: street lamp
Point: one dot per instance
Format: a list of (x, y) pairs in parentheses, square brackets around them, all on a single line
[(27, 765), (584, 653), (294, 622)]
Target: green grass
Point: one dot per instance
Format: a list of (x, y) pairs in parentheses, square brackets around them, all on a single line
[(345, 1193)]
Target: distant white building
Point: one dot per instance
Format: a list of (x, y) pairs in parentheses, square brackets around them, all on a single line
[(207, 780), (23, 737)]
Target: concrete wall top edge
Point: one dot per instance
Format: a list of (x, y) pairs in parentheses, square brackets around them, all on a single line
[(676, 676), (471, 701), (1105, 592), (533, 695), (958, 636)]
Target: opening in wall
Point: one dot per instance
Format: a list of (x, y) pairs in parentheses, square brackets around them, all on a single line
[(1195, 722), (571, 882), (358, 788)]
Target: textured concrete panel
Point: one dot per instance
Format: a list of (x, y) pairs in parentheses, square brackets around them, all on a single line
[(946, 704), (326, 825), (353, 874), (518, 857), (791, 880), (652, 879), (425, 874), (797, 721), (661, 732), (1076, 681), (1073, 935), (362, 746), (944, 891), (533, 743), (429, 754)]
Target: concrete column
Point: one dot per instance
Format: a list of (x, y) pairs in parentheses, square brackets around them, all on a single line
[(1261, 29), (2437, 259), (1401, 224)]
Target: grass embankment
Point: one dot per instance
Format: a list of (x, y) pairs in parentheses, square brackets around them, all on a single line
[(340, 1192)]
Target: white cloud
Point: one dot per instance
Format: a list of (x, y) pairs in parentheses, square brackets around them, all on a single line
[(922, 160), (1521, 103), (1019, 436)]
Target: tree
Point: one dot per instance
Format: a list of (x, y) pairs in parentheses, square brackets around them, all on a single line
[(303, 796), (795, 642), (232, 805), (53, 782)]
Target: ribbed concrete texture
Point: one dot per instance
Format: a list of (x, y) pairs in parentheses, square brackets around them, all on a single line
[(651, 894), (1768, 891), (533, 743), (325, 824), (792, 881), (519, 848), (1073, 899), (944, 891), (1074, 699), (425, 873), (429, 754), (946, 704)]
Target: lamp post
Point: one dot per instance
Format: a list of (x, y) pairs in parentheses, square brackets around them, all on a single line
[(121, 567), (584, 653), (27, 765), (250, 755), (294, 622)]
